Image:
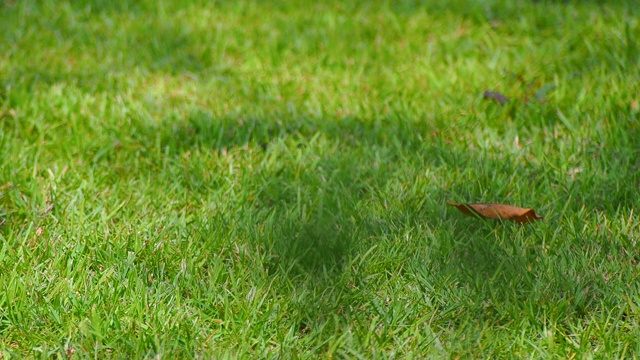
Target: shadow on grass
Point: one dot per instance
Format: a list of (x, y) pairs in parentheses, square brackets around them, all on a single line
[(319, 193), (508, 268), (341, 180), (315, 237)]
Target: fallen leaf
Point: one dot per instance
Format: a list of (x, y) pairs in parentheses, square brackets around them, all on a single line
[(634, 105), (496, 96), (574, 171), (498, 211), (48, 209), (6, 113), (516, 143)]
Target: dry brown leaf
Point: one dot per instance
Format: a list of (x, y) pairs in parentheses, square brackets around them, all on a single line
[(574, 171), (48, 209), (498, 211)]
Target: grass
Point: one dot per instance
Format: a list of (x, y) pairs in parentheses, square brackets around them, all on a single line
[(192, 179)]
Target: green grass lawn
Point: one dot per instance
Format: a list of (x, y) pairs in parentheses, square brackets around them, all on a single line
[(252, 179)]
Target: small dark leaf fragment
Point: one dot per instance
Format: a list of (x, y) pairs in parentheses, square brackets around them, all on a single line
[(496, 96)]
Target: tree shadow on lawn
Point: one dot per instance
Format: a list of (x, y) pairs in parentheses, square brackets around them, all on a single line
[(321, 202), (313, 219), (315, 199), (316, 206)]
